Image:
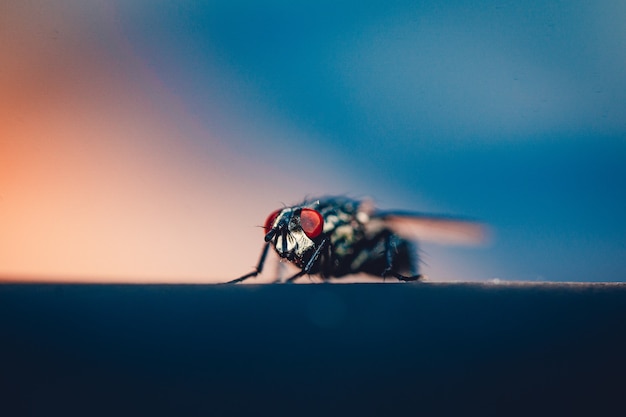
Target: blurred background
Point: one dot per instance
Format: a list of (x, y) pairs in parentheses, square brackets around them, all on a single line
[(145, 141)]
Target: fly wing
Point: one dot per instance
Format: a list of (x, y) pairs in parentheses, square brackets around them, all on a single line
[(433, 228)]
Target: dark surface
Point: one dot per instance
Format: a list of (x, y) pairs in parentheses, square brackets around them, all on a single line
[(358, 349)]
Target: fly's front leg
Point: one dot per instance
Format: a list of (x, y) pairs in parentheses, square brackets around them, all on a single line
[(309, 265), (258, 268), (390, 251)]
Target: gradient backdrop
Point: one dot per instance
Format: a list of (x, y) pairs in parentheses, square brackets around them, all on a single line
[(146, 140)]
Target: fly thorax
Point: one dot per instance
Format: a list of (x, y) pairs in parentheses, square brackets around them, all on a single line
[(343, 238)]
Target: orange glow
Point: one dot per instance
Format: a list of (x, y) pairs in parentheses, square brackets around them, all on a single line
[(99, 177), (105, 176)]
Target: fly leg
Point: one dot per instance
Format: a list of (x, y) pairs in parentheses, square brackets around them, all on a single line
[(390, 250), (309, 264), (258, 268)]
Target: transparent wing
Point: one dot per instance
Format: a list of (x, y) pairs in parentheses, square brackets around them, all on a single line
[(433, 228)]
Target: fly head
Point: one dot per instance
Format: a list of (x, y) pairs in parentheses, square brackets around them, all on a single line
[(294, 232)]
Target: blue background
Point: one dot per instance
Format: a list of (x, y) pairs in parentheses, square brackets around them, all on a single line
[(146, 141), (513, 113)]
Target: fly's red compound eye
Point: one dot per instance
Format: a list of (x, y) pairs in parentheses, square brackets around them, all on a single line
[(311, 222), (269, 222)]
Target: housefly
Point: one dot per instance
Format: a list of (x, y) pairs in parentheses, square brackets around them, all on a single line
[(337, 236)]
